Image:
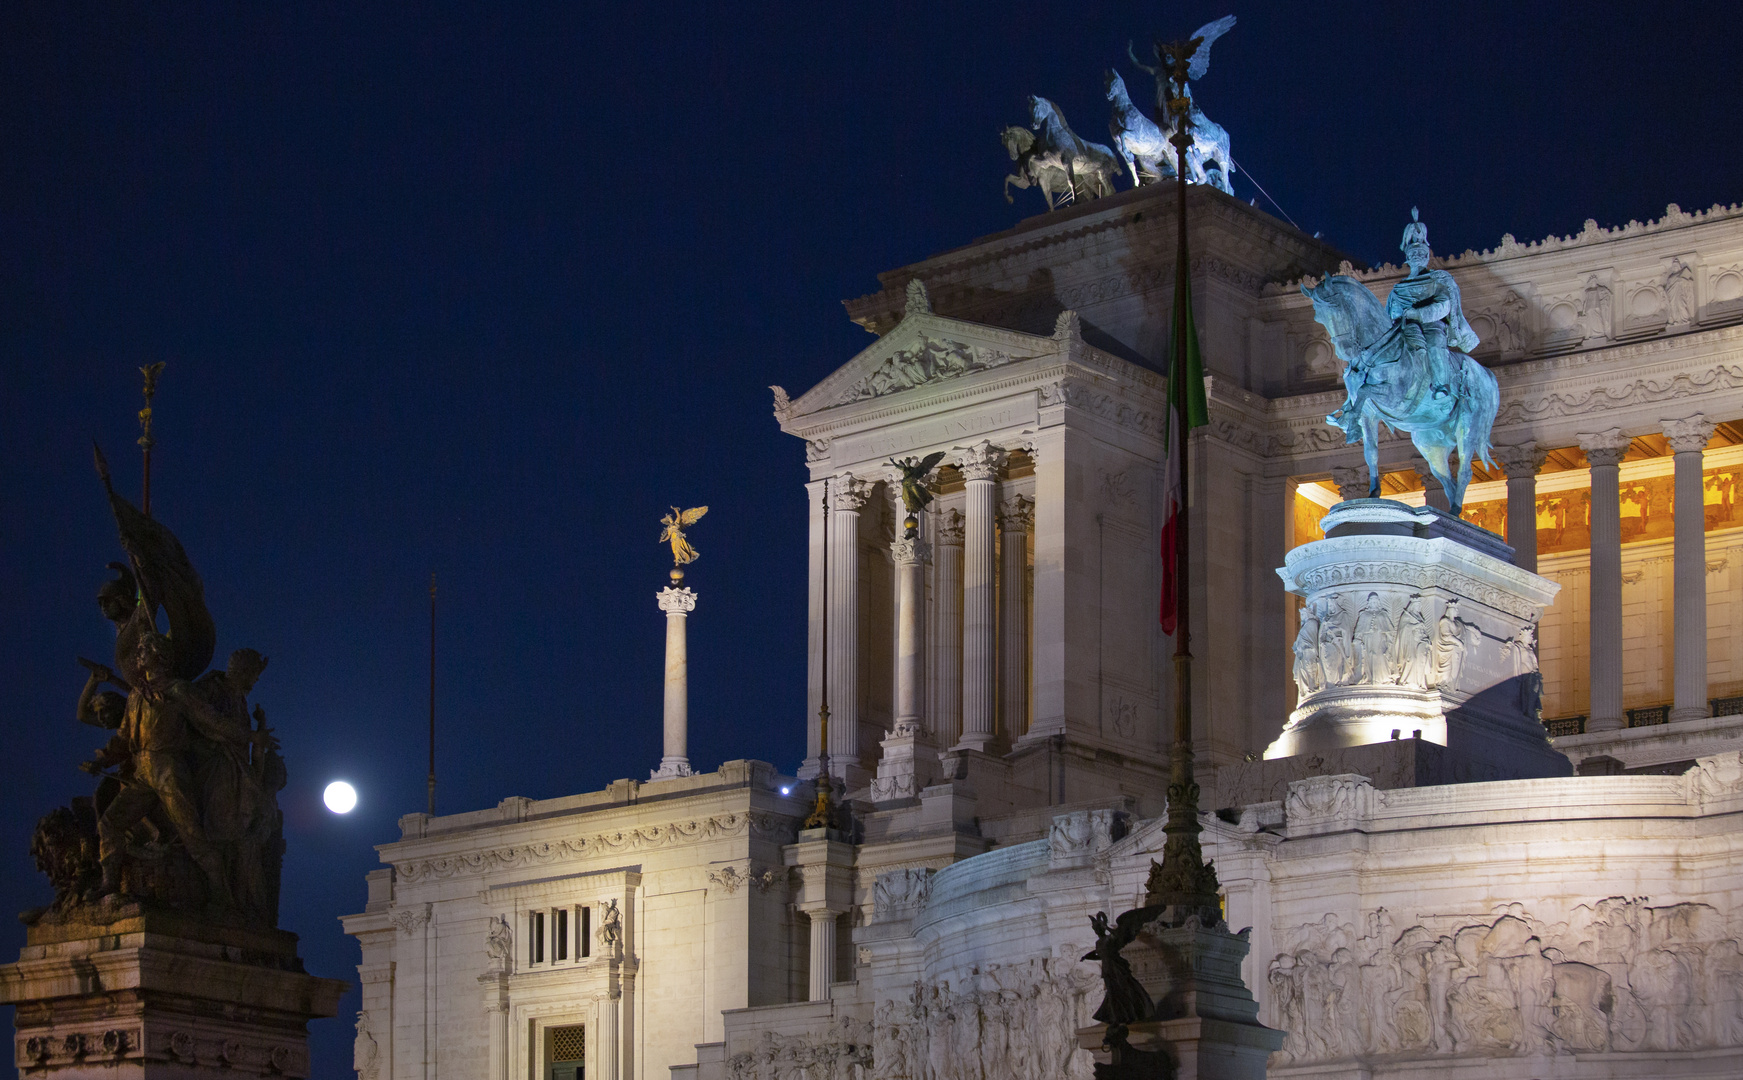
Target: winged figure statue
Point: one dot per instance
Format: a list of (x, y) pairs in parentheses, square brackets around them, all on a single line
[(915, 494), (1209, 160), (675, 523)]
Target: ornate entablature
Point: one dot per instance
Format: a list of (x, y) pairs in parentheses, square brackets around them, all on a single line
[(764, 826)]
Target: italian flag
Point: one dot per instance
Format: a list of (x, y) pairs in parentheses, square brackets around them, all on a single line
[(1197, 415)]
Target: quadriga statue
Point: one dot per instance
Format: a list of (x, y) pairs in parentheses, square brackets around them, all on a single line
[(1408, 366), (185, 813)]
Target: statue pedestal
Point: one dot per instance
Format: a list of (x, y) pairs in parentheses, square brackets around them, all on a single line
[(1206, 1025), (908, 767), (1417, 624), (162, 995)]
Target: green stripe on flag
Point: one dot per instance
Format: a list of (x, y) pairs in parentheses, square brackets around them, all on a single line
[(1197, 412)]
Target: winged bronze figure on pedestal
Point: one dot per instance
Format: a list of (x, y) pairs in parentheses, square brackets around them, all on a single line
[(915, 494), (673, 534)]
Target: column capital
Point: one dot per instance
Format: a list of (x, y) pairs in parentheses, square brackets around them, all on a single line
[(982, 461), (1521, 460), (908, 551), (848, 492), (1017, 513), (949, 525), (1351, 481), (679, 600), (1604, 447), (1688, 435)]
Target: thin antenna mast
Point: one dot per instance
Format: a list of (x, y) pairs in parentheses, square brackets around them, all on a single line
[(432, 807), (146, 441)]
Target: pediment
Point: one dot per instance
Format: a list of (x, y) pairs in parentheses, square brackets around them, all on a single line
[(924, 350)]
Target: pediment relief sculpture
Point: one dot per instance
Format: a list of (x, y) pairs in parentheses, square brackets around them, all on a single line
[(928, 361)]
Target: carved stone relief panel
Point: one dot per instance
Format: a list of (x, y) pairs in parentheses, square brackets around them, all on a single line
[(1615, 976)]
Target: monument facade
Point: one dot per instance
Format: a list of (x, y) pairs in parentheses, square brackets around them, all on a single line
[(1471, 781)]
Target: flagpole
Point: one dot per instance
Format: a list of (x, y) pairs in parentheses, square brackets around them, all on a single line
[(823, 813), (1183, 882), (432, 781), (146, 439)]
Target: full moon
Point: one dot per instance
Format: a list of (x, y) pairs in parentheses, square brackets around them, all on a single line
[(340, 797)]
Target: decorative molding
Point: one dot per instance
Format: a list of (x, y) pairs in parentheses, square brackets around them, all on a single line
[(783, 404), (679, 600), (636, 838), (1641, 390), (1604, 448), (950, 525), (1109, 407), (848, 493), (1688, 435), (1521, 459), (928, 362), (411, 920), (916, 301), (1356, 571), (981, 461), (1017, 514), (904, 550)]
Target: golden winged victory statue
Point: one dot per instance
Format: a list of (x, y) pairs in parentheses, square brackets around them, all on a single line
[(673, 534)]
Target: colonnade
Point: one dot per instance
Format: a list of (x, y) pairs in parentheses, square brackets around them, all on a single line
[(1604, 450), (975, 633)]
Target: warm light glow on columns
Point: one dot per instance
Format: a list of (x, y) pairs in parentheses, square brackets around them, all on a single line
[(1522, 463), (980, 467), (910, 558), (677, 604), (1688, 439), (847, 494), (1016, 516), (946, 718), (1604, 451)]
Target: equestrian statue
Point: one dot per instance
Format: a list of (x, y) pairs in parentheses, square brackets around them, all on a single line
[(1408, 365)]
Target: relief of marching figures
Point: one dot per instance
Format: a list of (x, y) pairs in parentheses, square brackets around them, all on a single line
[(1373, 645), (1010, 1022), (1618, 975)]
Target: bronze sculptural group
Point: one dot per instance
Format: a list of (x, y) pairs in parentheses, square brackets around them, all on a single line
[(185, 813), (1068, 169)]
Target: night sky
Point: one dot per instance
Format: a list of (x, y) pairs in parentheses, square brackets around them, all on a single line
[(482, 290)]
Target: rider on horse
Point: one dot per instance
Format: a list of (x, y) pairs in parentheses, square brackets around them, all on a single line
[(1427, 321)]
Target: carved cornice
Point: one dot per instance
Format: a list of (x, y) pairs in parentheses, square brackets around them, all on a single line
[(758, 825), (1637, 390), (1357, 571), (1111, 407), (1688, 435)]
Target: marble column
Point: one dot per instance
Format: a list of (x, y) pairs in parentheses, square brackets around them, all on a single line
[(1522, 462), (980, 467), (605, 1032), (822, 953), (677, 604), (496, 1004), (1016, 516), (946, 719), (847, 495), (1604, 451), (910, 558), (1351, 481), (1688, 438)]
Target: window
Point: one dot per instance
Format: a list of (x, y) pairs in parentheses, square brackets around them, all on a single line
[(536, 938), (565, 1049), (585, 926), (560, 934)]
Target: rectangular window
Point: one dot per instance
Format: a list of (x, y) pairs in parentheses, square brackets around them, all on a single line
[(586, 929), (560, 917), (536, 938)]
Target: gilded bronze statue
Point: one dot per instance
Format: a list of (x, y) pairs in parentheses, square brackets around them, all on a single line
[(916, 495), (673, 534)]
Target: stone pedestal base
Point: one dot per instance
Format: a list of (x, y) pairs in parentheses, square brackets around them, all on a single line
[(1206, 1025), (1416, 624), (162, 997), (672, 768), (907, 768)]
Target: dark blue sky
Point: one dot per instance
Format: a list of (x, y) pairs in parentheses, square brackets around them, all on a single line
[(481, 290)]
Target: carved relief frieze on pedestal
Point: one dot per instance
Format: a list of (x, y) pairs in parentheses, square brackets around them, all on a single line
[(1416, 624)]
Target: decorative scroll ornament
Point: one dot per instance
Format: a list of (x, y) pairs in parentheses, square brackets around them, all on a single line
[(928, 362)]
